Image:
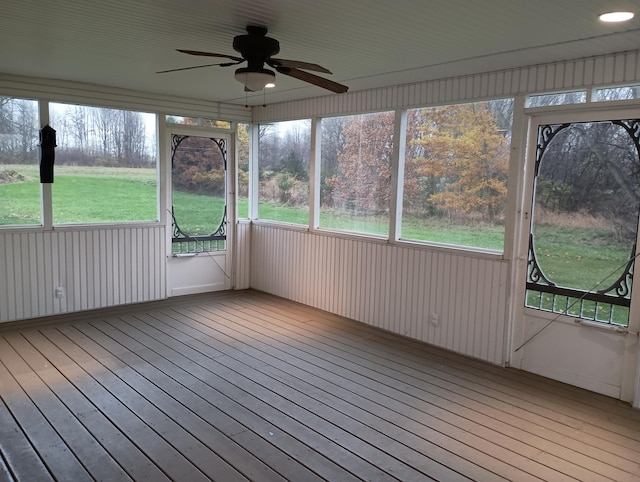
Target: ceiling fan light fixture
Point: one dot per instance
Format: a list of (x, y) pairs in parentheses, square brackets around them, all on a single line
[(616, 16), (256, 79)]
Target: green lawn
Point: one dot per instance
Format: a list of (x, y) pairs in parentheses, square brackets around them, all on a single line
[(585, 259), (580, 257), (434, 230), (20, 203), (439, 230), (86, 199), (81, 195), (281, 212), (197, 214)]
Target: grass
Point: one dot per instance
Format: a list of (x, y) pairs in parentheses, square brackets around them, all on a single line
[(437, 230), (87, 199), (32, 171), (332, 219), (81, 195), (197, 214), (20, 203), (283, 213), (413, 228), (584, 259)]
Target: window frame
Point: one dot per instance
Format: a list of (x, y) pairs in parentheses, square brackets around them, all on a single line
[(398, 115), (541, 95), (42, 191), (401, 178), (397, 173), (158, 178), (255, 199)]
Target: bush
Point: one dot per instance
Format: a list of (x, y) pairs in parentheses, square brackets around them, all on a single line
[(285, 189), (9, 176)]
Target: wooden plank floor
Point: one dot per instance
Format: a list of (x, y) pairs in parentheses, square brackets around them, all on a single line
[(247, 386)]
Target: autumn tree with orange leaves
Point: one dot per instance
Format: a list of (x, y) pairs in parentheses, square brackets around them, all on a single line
[(363, 179), (456, 162)]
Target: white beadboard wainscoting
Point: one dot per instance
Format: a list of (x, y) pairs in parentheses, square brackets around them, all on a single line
[(603, 70), (81, 93), (453, 300), (96, 268), (242, 255)]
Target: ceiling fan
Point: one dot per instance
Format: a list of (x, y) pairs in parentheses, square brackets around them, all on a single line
[(257, 49)]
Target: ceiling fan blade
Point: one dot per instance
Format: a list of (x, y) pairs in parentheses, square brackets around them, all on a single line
[(209, 54), (224, 64), (296, 64), (314, 79)]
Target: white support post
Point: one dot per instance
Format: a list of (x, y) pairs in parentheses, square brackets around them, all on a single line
[(46, 196), (516, 222), (630, 386), (164, 171), (254, 174), (397, 174), (315, 173)]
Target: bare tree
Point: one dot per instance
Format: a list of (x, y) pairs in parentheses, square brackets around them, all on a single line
[(78, 126), (18, 129), (104, 122)]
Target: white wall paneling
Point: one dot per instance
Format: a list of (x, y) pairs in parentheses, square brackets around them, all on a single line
[(397, 288), (96, 267), (574, 74), (74, 92), (242, 255), (576, 354), (198, 273)]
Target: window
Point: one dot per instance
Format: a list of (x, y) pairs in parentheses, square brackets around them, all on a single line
[(283, 166), (19, 161), (617, 93), (106, 165), (197, 121), (585, 218), (455, 174), (559, 98), (356, 154)]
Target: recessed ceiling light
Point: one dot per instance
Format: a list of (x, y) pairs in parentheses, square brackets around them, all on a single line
[(616, 16)]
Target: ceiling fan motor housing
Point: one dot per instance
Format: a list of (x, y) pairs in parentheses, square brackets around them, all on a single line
[(256, 47)]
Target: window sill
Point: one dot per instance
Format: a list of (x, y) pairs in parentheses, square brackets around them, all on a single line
[(372, 238), (78, 227)]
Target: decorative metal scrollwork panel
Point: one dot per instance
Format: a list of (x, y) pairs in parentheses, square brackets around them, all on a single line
[(183, 240)]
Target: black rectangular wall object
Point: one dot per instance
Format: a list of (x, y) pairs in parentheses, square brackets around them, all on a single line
[(47, 154)]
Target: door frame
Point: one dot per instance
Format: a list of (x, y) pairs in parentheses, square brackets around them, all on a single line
[(199, 263), (522, 317)]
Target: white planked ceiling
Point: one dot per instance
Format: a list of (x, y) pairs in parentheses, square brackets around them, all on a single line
[(366, 43)]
